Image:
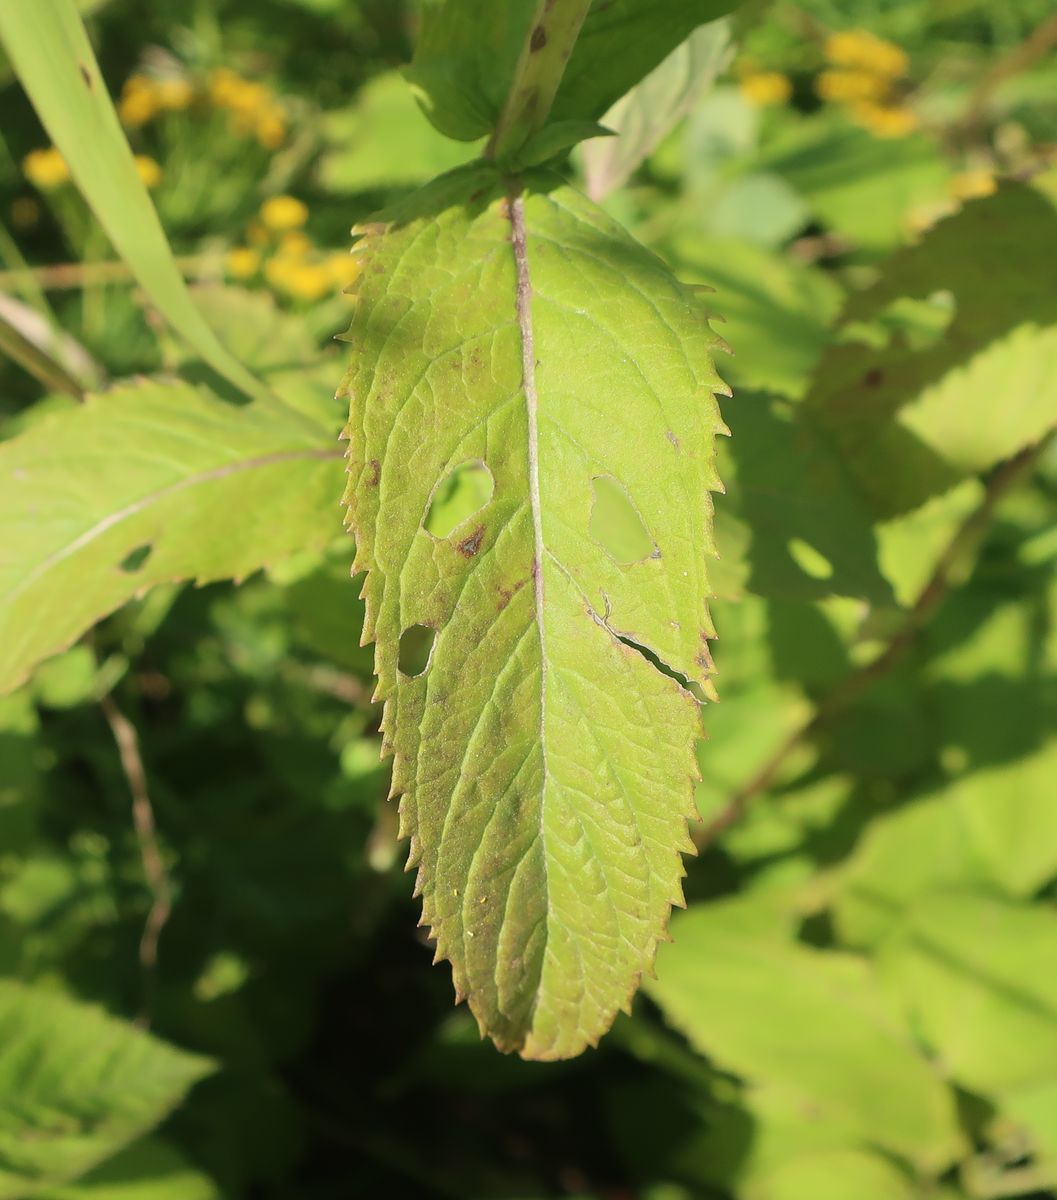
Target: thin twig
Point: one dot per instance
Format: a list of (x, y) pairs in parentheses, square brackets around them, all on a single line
[(64, 276), (127, 741), (968, 534)]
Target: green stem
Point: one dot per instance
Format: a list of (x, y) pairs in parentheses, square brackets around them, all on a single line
[(540, 67)]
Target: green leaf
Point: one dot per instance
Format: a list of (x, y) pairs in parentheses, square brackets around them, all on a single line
[(808, 530), (147, 1170), (920, 847), (973, 971), (382, 140), (77, 1085), (529, 333), (555, 139), (149, 483), (835, 1175), (630, 37), (56, 65), (914, 421), (775, 312), (645, 115), (467, 51), (814, 1024), (464, 60), (863, 187)]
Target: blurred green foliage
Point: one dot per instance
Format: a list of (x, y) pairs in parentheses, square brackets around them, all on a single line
[(861, 1000)]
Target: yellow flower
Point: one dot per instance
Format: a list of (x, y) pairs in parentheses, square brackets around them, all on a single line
[(223, 84), (174, 93), (295, 244), (271, 129), (885, 120), (851, 85), (148, 170), (765, 87), (860, 48), (242, 262), (309, 281), (139, 101), (247, 98), (970, 184), (25, 212), (283, 212), (46, 169), (305, 281), (344, 269)]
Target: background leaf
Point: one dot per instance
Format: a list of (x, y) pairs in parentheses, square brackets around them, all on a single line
[(124, 492), (76, 1086)]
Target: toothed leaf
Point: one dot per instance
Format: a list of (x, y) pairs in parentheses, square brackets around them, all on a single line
[(76, 1085), (147, 484), (545, 764)]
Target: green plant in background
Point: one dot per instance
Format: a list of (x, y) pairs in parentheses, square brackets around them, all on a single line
[(857, 1001)]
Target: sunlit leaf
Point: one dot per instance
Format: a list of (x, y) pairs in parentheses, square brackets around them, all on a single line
[(545, 761)]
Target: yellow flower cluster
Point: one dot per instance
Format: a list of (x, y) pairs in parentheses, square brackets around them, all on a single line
[(293, 267), (864, 51), (46, 169), (763, 88), (863, 76), (252, 107), (143, 98)]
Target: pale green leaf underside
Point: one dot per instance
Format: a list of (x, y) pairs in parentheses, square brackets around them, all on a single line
[(76, 1086), (545, 765), (204, 489)]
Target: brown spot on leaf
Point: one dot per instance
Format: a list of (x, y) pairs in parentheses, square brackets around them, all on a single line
[(85, 75), (508, 594), (538, 39), (376, 473), (873, 377), (704, 656), (470, 544)]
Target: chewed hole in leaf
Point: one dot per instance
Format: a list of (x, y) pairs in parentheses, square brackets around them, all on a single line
[(136, 559), (458, 497), (416, 650), (616, 525), (811, 561)]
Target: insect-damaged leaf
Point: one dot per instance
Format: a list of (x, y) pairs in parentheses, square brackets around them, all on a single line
[(544, 760)]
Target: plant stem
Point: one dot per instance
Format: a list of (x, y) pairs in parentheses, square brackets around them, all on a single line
[(65, 276), (147, 836), (966, 537), (540, 67)]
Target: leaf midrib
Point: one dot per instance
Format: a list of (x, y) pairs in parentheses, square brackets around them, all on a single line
[(523, 304)]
